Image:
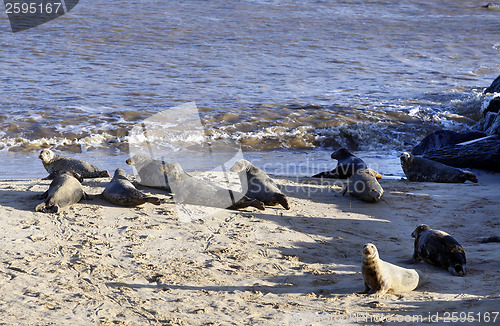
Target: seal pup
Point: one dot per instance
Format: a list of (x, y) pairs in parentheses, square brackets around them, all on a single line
[(363, 184), (151, 172), (423, 170), (121, 191), (190, 190), (347, 164), (381, 277), (438, 248), (259, 185), (65, 190), (56, 164)]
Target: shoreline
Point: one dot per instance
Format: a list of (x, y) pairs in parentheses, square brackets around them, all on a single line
[(100, 263)]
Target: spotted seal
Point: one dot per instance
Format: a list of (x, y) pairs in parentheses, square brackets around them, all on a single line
[(259, 185), (438, 248), (190, 190), (64, 191), (120, 191), (363, 184), (151, 172), (347, 164), (423, 170), (381, 277), (56, 164)]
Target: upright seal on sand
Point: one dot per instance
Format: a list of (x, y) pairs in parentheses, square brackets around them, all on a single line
[(190, 190), (151, 172), (65, 190), (438, 248), (259, 185), (381, 277), (56, 164), (363, 184), (121, 191), (347, 164), (424, 170)]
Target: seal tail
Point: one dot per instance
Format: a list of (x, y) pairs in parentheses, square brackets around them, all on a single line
[(470, 176), (153, 200), (281, 198)]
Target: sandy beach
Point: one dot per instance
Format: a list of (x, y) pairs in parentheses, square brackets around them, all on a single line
[(96, 263)]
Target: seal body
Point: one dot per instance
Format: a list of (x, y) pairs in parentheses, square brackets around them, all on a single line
[(190, 190), (121, 191), (381, 277), (440, 249), (151, 172), (259, 185), (56, 164), (424, 170), (347, 164), (65, 190), (363, 184)]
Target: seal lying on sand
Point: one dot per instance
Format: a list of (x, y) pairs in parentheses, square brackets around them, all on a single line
[(151, 172), (121, 191), (190, 190), (438, 248), (259, 185), (421, 169), (65, 190), (347, 164), (381, 277), (56, 164), (363, 184)]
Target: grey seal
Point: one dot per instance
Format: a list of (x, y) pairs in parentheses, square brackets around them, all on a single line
[(57, 164), (363, 184), (381, 277), (64, 191), (347, 164), (259, 185), (121, 191), (423, 170), (190, 190), (151, 172), (438, 248)]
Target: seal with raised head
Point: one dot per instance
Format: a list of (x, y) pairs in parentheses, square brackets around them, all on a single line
[(121, 191), (381, 277), (363, 184), (57, 164), (347, 164), (438, 248), (65, 190), (259, 185), (151, 172), (190, 190), (423, 170)]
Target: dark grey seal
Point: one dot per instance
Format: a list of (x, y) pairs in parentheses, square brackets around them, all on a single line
[(363, 184), (259, 185), (423, 170), (438, 248), (151, 172), (347, 164), (190, 190), (56, 164), (64, 191), (120, 191)]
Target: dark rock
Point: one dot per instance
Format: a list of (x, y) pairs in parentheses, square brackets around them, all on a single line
[(493, 106), (494, 87), (483, 154), (444, 138), (494, 238), (490, 124)]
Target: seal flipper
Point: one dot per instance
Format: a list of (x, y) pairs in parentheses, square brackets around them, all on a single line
[(470, 176), (281, 198), (153, 200)]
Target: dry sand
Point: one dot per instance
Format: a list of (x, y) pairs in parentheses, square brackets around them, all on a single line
[(96, 263)]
